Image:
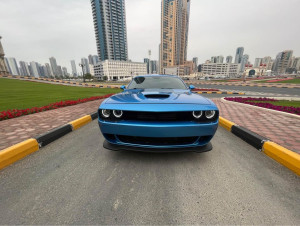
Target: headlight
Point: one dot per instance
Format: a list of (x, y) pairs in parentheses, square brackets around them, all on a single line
[(105, 113), (197, 114), (118, 113), (210, 114)]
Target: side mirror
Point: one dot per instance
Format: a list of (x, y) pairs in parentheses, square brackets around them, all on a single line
[(191, 87), (123, 87)]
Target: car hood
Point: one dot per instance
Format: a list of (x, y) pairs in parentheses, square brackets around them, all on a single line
[(157, 96)]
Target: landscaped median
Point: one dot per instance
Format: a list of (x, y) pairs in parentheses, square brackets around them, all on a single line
[(280, 154), (292, 107)]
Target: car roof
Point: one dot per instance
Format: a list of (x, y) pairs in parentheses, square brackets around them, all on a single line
[(156, 75)]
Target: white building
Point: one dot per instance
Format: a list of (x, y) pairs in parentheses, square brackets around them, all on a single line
[(119, 70), (12, 66), (74, 69), (35, 69), (217, 70)]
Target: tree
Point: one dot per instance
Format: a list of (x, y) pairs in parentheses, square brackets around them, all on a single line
[(88, 76)]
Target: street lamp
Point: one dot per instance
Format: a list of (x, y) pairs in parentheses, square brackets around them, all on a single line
[(82, 65)]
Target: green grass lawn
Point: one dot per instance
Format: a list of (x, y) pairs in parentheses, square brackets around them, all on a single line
[(17, 94), (286, 103), (292, 81)]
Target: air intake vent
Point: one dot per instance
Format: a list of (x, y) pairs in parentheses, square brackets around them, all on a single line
[(157, 96)]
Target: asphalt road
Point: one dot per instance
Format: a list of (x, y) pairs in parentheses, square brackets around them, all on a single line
[(288, 91), (75, 181)]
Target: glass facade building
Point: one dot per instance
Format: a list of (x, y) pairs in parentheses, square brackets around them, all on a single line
[(109, 18)]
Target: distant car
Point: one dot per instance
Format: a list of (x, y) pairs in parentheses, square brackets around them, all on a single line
[(158, 113)]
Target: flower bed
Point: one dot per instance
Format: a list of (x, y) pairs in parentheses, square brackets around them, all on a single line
[(205, 90), (264, 102), (14, 113), (279, 80)]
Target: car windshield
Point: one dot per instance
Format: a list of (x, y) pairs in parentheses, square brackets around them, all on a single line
[(157, 82)]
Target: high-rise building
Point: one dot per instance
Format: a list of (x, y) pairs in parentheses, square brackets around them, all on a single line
[(86, 67), (229, 59), (59, 71), (239, 55), (282, 61), (110, 29), (258, 62), (220, 59), (73, 66), (244, 61), (90, 58), (268, 62), (95, 60), (65, 71), (154, 66), (147, 61), (296, 63), (35, 69), (3, 68), (213, 59), (195, 61), (49, 70), (12, 66), (175, 16), (24, 68), (217, 59), (53, 65)]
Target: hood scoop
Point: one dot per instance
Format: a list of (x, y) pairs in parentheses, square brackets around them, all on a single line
[(157, 96)]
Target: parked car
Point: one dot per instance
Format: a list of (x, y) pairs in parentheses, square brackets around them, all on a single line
[(158, 113)]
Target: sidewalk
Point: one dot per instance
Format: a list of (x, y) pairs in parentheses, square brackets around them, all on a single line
[(279, 128), (16, 130)]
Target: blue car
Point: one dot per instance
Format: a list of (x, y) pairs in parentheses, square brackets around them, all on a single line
[(158, 113)]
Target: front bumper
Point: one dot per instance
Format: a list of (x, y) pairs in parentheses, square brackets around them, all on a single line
[(201, 133)]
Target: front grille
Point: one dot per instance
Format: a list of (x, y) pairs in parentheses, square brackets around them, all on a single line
[(185, 116), (161, 141), (164, 116)]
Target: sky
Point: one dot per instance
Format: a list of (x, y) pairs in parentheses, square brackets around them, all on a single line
[(35, 30)]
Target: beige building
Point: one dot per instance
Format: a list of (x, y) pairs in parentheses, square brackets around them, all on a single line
[(3, 69), (174, 32)]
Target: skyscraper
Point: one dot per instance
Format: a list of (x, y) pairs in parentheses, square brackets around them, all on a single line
[(110, 29), (282, 61), (147, 61), (195, 61), (175, 16), (24, 68), (258, 62), (86, 66), (244, 61), (73, 66), (229, 59), (48, 68), (53, 65), (35, 69), (239, 54), (12, 66), (3, 69)]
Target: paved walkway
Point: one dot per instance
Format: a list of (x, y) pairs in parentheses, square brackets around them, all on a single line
[(279, 128), (16, 130)]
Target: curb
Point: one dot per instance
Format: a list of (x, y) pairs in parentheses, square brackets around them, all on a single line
[(19, 151), (217, 92), (285, 157)]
